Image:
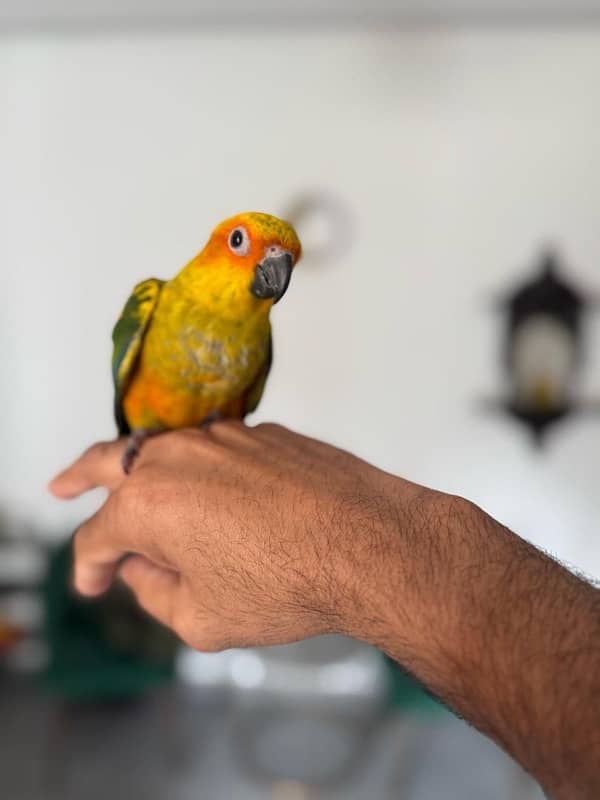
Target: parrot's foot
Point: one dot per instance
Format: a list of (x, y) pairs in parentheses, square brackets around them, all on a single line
[(134, 445)]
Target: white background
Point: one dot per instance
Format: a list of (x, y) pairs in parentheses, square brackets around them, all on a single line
[(459, 154)]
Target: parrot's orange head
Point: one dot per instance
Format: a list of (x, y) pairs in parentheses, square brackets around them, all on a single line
[(263, 250)]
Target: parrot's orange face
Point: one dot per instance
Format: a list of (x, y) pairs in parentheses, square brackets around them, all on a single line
[(263, 248)]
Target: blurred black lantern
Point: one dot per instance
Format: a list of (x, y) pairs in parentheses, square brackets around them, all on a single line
[(543, 346)]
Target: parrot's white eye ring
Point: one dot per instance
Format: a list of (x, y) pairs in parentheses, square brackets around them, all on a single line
[(239, 241)]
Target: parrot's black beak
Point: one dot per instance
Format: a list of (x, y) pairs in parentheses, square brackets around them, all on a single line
[(272, 277)]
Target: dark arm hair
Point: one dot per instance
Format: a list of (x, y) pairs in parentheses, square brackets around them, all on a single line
[(502, 633)]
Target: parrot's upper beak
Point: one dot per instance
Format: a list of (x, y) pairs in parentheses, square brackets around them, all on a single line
[(272, 276)]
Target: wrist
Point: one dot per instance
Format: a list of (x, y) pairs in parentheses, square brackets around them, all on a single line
[(408, 598), (385, 565)]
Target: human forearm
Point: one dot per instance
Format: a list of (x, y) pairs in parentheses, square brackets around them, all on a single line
[(502, 633)]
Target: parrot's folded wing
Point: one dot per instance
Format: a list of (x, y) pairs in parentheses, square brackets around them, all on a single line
[(127, 336), (256, 389)]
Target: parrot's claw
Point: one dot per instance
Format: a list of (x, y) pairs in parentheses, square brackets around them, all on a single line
[(132, 451)]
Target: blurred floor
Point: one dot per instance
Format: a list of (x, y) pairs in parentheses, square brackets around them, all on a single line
[(180, 745)]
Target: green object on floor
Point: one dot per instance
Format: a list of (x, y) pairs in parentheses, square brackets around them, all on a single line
[(101, 649), (408, 694)]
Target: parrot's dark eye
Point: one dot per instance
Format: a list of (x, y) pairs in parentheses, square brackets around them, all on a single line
[(239, 241)]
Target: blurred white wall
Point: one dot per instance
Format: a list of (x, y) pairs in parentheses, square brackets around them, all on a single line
[(459, 154)]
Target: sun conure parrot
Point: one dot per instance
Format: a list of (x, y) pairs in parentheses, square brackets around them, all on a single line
[(198, 347)]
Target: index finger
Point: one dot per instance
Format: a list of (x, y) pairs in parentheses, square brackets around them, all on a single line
[(100, 465)]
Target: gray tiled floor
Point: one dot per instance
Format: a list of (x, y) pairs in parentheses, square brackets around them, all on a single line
[(180, 746)]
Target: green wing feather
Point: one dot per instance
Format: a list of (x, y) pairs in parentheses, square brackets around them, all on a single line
[(256, 389), (127, 336)]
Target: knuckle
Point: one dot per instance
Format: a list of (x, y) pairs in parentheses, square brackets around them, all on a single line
[(169, 443), (187, 435), (179, 436), (269, 428), (98, 450), (232, 423), (235, 432), (180, 444), (179, 441), (149, 447), (204, 443)]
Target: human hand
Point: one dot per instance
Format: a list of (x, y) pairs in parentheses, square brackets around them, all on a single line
[(237, 536)]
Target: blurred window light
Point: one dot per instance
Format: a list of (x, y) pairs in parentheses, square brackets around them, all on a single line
[(247, 670), (346, 678), (203, 670)]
